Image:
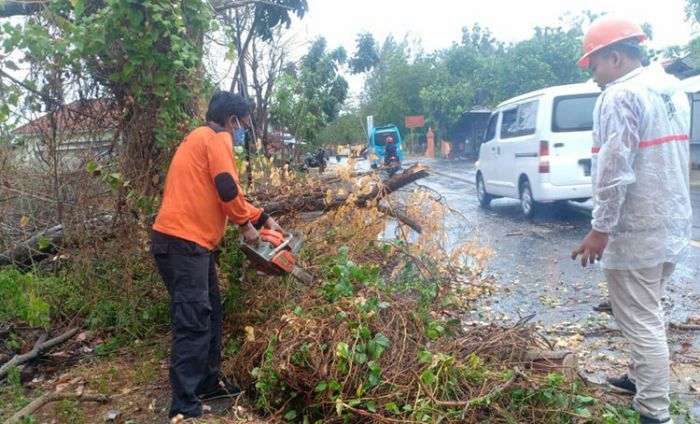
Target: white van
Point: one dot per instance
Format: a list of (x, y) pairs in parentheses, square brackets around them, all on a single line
[(537, 147)]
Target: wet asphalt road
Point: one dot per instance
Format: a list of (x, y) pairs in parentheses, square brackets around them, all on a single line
[(532, 260)]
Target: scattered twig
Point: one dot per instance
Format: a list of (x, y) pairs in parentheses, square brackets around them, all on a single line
[(465, 403), (684, 327)]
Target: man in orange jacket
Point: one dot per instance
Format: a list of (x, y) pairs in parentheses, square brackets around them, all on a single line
[(202, 192)]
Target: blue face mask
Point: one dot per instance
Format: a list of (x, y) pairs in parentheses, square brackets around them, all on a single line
[(239, 137), (238, 134)]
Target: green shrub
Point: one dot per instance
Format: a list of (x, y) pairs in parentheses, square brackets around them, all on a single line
[(21, 297)]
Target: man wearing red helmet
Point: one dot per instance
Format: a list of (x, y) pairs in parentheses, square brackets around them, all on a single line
[(390, 152), (642, 218)]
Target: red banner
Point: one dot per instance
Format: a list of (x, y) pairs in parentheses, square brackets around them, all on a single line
[(415, 121)]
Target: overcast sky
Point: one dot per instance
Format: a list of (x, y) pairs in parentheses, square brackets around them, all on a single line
[(438, 23)]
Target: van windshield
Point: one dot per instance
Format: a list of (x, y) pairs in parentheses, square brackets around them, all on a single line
[(380, 137), (573, 113)]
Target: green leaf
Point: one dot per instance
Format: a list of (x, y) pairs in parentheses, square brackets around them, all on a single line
[(382, 340), (78, 6), (92, 167), (428, 377), (11, 65), (44, 243), (425, 357), (583, 412), (290, 415), (322, 386), (584, 400), (341, 350)]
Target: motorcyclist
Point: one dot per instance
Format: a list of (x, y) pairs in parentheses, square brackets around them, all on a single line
[(390, 153)]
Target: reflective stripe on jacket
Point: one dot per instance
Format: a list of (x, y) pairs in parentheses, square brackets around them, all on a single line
[(640, 172)]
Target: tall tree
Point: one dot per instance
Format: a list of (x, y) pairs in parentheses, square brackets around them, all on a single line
[(366, 54), (309, 97)]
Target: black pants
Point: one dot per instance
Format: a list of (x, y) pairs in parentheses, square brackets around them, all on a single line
[(189, 273)]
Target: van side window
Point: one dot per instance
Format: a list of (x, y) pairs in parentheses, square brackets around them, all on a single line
[(573, 113), (491, 128), (520, 121)]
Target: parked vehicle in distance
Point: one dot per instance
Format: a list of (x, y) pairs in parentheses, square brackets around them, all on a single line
[(537, 148)]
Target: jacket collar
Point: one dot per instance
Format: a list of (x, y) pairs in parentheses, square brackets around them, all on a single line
[(628, 76)]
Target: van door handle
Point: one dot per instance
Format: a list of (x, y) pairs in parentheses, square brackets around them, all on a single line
[(558, 144)]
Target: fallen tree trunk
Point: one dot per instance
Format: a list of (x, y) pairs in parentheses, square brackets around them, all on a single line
[(562, 362), (43, 244), (40, 346), (46, 398), (37, 248), (317, 201)]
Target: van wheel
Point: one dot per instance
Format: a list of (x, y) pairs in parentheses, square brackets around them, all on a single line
[(527, 202), (481, 194)]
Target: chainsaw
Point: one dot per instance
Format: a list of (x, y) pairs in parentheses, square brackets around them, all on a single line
[(276, 253)]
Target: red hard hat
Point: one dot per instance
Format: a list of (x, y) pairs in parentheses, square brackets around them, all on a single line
[(606, 31)]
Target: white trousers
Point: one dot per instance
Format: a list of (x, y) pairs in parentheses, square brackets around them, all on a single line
[(635, 296)]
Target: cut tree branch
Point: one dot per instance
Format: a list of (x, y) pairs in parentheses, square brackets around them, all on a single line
[(415, 225), (46, 398), (40, 346)]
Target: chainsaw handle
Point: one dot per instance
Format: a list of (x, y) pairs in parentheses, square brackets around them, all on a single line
[(282, 245)]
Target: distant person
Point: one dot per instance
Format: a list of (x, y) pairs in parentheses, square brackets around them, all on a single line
[(321, 159), (390, 152), (642, 213)]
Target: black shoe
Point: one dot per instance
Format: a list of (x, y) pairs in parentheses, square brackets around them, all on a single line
[(226, 389), (623, 383), (646, 420), (604, 306)]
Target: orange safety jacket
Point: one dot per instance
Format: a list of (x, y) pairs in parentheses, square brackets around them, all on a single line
[(202, 189)]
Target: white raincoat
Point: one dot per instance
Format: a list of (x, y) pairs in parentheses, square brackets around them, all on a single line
[(641, 194)]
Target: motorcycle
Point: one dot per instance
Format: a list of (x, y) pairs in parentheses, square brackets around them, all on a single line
[(392, 165)]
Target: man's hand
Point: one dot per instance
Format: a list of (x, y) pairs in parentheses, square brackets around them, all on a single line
[(591, 248), (250, 234), (271, 224)]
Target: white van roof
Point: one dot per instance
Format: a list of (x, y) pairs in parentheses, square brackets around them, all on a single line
[(558, 90), (691, 84)]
